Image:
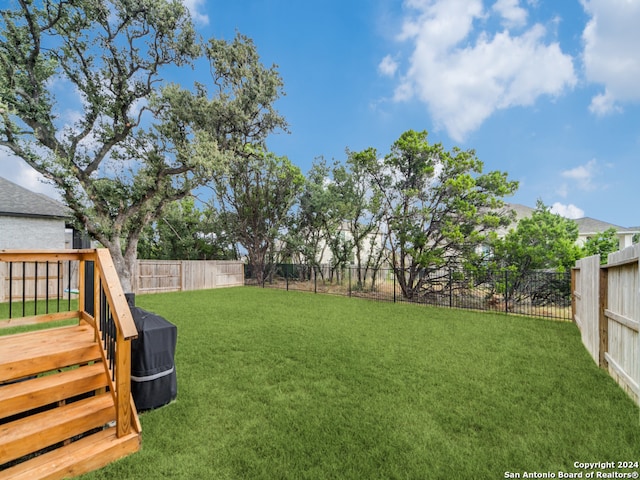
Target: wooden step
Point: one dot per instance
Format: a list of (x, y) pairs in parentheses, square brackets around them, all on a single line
[(32, 353), (36, 432), (31, 394), (87, 454)]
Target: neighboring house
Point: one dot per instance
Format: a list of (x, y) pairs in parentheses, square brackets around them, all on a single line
[(521, 211), (372, 245), (31, 220), (587, 227)]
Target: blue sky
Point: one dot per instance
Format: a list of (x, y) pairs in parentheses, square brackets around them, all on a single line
[(546, 90)]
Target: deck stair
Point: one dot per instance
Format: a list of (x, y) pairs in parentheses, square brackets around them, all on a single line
[(57, 411)]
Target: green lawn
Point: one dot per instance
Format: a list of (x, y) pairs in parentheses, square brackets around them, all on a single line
[(289, 385)]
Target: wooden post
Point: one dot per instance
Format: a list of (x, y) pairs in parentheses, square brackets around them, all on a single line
[(603, 322), (123, 386)]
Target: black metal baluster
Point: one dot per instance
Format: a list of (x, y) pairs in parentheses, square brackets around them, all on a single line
[(69, 286), (58, 286), (10, 288), (24, 293), (35, 289), (46, 289)]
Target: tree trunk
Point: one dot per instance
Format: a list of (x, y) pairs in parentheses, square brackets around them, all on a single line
[(125, 264), (128, 278)]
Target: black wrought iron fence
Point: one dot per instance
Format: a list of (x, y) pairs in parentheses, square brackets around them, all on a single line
[(536, 293)]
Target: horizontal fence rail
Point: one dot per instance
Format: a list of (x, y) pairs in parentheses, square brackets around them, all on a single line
[(537, 293)]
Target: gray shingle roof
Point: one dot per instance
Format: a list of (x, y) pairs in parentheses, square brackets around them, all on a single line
[(18, 201), (587, 225), (522, 211)]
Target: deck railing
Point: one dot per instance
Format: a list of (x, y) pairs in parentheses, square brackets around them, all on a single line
[(39, 287)]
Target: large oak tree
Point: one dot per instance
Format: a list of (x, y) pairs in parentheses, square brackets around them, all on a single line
[(136, 141)]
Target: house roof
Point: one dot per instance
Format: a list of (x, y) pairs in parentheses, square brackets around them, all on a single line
[(587, 225), (17, 201), (522, 211)]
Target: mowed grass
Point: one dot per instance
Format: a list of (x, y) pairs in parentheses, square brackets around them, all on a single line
[(288, 385)]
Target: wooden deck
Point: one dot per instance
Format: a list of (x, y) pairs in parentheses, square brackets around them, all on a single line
[(56, 408)]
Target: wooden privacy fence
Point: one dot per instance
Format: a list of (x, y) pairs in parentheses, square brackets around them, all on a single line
[(28, 280), (155, 276), (606, 309)]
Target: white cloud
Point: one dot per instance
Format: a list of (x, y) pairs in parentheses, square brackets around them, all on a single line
[(464, 75), (583, 175), (567, 211), (604, 104), (513, 15), (388, 66), (17, 171), (193, 6), (611, 44)]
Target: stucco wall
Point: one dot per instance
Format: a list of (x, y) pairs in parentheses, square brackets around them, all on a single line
[(31, 233)]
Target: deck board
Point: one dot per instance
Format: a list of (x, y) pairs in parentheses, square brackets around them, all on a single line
[(39, 431), (27, 354), (80, 457), (24, 396)]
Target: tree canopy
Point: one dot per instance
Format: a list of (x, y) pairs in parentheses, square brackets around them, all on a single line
[(184, 232), (602, 244), (439, 206), (254, 194), (542, 241)]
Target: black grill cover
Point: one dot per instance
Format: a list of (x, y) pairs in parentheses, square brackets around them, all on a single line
[(153, 371)]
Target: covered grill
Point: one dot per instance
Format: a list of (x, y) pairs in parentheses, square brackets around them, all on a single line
[(153, 371)]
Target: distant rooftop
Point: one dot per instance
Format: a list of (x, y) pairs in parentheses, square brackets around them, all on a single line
[(591, 225), (522, 211), (20, 202), (586, 225)]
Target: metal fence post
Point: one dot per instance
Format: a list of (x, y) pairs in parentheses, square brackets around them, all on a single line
[(506, 291), (315, 280), (349, 279), (394, 285), (450, 288)]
